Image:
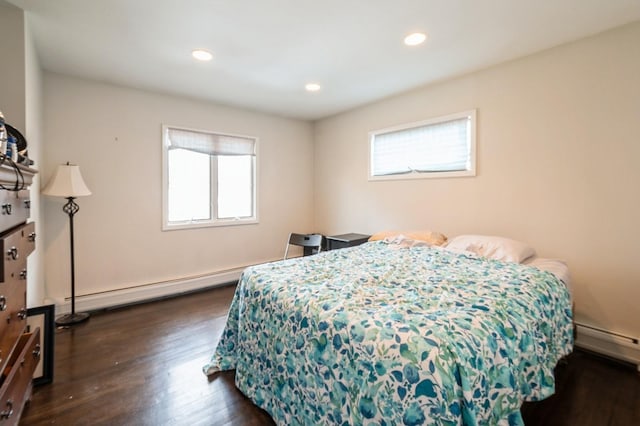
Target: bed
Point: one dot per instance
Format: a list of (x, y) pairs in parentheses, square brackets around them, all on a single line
[(396, 332)]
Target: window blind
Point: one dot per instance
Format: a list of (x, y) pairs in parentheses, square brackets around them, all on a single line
[(436, 147), (210, 143)]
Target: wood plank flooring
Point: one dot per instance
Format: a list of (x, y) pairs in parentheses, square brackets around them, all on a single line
[(141, 365)]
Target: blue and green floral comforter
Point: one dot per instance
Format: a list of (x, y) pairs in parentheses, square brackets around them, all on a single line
[(382, 335)]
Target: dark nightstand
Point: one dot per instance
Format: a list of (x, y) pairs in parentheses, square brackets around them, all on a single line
[(345, 240)]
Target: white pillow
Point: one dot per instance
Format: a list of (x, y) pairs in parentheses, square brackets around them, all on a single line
[(498, 248)]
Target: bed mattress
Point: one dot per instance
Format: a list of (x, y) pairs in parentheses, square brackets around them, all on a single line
[(380, 334)]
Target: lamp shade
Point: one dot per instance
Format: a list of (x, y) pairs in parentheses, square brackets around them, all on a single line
[(67, 182)]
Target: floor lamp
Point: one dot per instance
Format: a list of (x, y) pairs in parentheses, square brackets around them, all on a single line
[(68, 183)]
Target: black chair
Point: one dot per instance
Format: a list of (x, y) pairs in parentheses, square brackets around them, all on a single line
[(312, 243)]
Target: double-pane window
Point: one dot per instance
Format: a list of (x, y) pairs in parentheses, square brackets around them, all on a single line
[(209, 178)]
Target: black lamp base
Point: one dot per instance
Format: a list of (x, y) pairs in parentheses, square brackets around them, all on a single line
[(71, 319)]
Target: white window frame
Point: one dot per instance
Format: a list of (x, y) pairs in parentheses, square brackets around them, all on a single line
[(169, 226), (471, 171)]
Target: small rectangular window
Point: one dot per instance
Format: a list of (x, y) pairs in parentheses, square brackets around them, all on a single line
[(209, 179), (439, 147)]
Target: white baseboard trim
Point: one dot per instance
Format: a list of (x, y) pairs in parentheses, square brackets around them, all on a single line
[(609, 344), (110, 299)]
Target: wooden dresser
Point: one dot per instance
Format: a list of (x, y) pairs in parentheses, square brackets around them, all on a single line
[(19, 351)]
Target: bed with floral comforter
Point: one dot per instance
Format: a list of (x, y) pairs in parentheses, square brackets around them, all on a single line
[(381, 335)]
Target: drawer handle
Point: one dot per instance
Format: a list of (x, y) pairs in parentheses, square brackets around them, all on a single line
[(32, 237), (3, 303), (5, 414), (6, 208), (23, 274), (37, 351), (22, 314), (12, 253), (27, 204)]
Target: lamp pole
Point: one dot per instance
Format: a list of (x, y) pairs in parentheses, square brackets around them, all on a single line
[(71, 208), (67, 183)]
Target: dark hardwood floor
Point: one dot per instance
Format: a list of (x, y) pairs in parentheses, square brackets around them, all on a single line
[(141, 365)]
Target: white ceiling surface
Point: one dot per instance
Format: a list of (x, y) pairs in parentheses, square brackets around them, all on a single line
[(265, 51)]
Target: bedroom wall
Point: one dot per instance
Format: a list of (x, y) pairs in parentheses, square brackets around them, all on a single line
[(12, 69), (33, 132), (20, 102), (558, 151), (114, 134)]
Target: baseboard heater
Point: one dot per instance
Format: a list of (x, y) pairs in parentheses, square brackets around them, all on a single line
[(145, 292), (617, 345), (148, 291)]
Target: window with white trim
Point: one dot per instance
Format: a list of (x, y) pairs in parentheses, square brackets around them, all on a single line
[(209, 179), (439, 147)]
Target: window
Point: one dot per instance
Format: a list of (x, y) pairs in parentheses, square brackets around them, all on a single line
[(440, 147), (209, 179)]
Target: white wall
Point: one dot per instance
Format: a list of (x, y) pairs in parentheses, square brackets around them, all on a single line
[(114, 135), (33, 133), (20, 101), (12, 71), (558, 167)]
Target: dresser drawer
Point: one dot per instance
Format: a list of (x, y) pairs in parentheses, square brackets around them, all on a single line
[(16, 385), (15, 246), (13, 317), (14, 208), (19, 352)]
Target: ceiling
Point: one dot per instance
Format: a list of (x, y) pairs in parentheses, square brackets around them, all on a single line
[(265, 51)]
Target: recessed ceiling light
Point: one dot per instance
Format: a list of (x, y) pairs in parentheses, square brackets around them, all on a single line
[(415, 39), (202, 55), (312, 87)]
